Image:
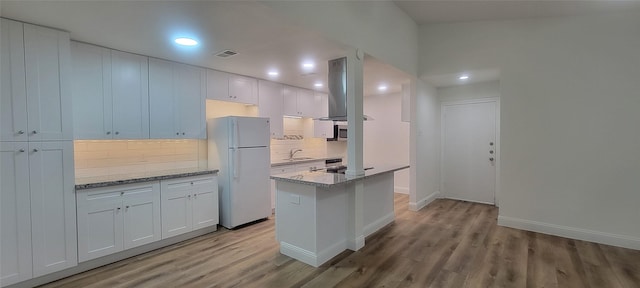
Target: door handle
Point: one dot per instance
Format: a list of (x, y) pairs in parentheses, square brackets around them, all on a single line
[(491, 159)]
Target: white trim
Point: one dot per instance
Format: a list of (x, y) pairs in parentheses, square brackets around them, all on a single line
[(571, 232), (299, 254), (356, 244), (497, 142), (401, 190), (378, 224), (330, 252), (415, 206), (467, 200)]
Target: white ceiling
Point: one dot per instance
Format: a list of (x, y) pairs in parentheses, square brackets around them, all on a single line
[(263, 40), (447, 11)]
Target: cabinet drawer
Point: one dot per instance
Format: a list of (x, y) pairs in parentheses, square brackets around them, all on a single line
[(283, 169), (196, 184), (306, 166), (101, 194)]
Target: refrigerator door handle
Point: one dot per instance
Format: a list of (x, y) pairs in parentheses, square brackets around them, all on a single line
[(236, 132), (236, 162)]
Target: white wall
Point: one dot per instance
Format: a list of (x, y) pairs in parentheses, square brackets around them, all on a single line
[(425, 145), (386, 139), (480, 90), (569, 118), (380, 28)]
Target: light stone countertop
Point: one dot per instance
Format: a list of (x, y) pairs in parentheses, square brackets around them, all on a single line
[(112, 180), (324, 179)]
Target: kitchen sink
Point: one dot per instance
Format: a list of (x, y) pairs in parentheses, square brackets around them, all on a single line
[(298, 158)]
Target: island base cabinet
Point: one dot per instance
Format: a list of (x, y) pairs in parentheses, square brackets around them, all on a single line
[(189, 204), (116, 218)]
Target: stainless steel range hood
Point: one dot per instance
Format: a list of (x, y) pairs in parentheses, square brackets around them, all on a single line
[(338, 91)]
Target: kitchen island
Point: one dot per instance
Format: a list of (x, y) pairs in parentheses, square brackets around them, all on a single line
[(319, 215)]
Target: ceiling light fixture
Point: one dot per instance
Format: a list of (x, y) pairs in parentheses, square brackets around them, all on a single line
[(463, 77), (186, 41), (317, 84), (382, 88), (273, 73), (308, 65)]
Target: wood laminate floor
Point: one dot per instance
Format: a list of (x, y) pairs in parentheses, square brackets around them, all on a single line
[(446, 244)]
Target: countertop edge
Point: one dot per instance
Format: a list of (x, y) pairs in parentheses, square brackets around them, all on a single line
[(292, 177), (294, 162), (144, 179)]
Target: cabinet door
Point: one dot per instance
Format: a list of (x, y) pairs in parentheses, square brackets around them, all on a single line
[(163, 113), (205, 202), (130, 94), (13, 119), (217, 85), (99, 227), (306, 103), (142, 218), (321, 103), (91, 90), (322, 129), (243, 89), (176, 208), (270, 105), (290, 101), (47, 83), (15, 213), (53, 206), (189, 97)]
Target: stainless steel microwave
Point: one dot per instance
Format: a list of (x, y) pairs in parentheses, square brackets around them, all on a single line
[(339, 133)]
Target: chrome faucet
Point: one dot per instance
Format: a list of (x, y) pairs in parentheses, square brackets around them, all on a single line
[(293, 152)]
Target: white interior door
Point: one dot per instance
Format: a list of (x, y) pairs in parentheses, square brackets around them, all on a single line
[(469, 151)]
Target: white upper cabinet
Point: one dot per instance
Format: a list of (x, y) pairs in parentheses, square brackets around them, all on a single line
[(176, 100), (91, 89), (130, 95), (321, 101), (243, 89), (270, 105), (230, 87), (299, 102), (322, 129), (36, 96), (110, 93), (13, 120)]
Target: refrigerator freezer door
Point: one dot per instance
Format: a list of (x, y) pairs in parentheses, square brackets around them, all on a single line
[(249, 132), (250, 189)]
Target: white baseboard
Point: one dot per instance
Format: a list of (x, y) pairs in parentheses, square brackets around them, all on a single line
[(415, 206), (330, 252), (356, 244), (376, 225), (299, 254), (401, 190), (571, 232)]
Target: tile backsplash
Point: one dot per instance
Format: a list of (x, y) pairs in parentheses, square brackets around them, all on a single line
[(95, 158)]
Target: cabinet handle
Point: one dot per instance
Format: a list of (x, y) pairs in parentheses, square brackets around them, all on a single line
[(34, 132), (182, 133), (127, 207), (118, 208), (35, 150), (121, 193), (195, 196), (108, 132), (20, 132), (21, 150), (177, 133), (117, 132), (191, 183), (189, 196)]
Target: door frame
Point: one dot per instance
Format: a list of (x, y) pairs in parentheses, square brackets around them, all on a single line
[(443, 104)]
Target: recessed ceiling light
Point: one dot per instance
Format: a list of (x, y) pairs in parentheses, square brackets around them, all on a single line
[(317, 84), (382, 88), (273, 73), (186, 41), (308, 65), (463, 77)]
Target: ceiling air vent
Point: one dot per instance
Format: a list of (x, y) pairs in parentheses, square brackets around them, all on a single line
[(226, 53)]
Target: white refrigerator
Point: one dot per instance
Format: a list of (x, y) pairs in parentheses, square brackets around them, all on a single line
[(239, 148)]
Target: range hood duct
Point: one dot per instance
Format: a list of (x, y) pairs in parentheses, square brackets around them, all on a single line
[(338, 91)]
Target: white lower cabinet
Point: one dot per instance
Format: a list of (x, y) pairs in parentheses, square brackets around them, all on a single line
[(38, 228), (112, 219), (189, 204), (283, 169)]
